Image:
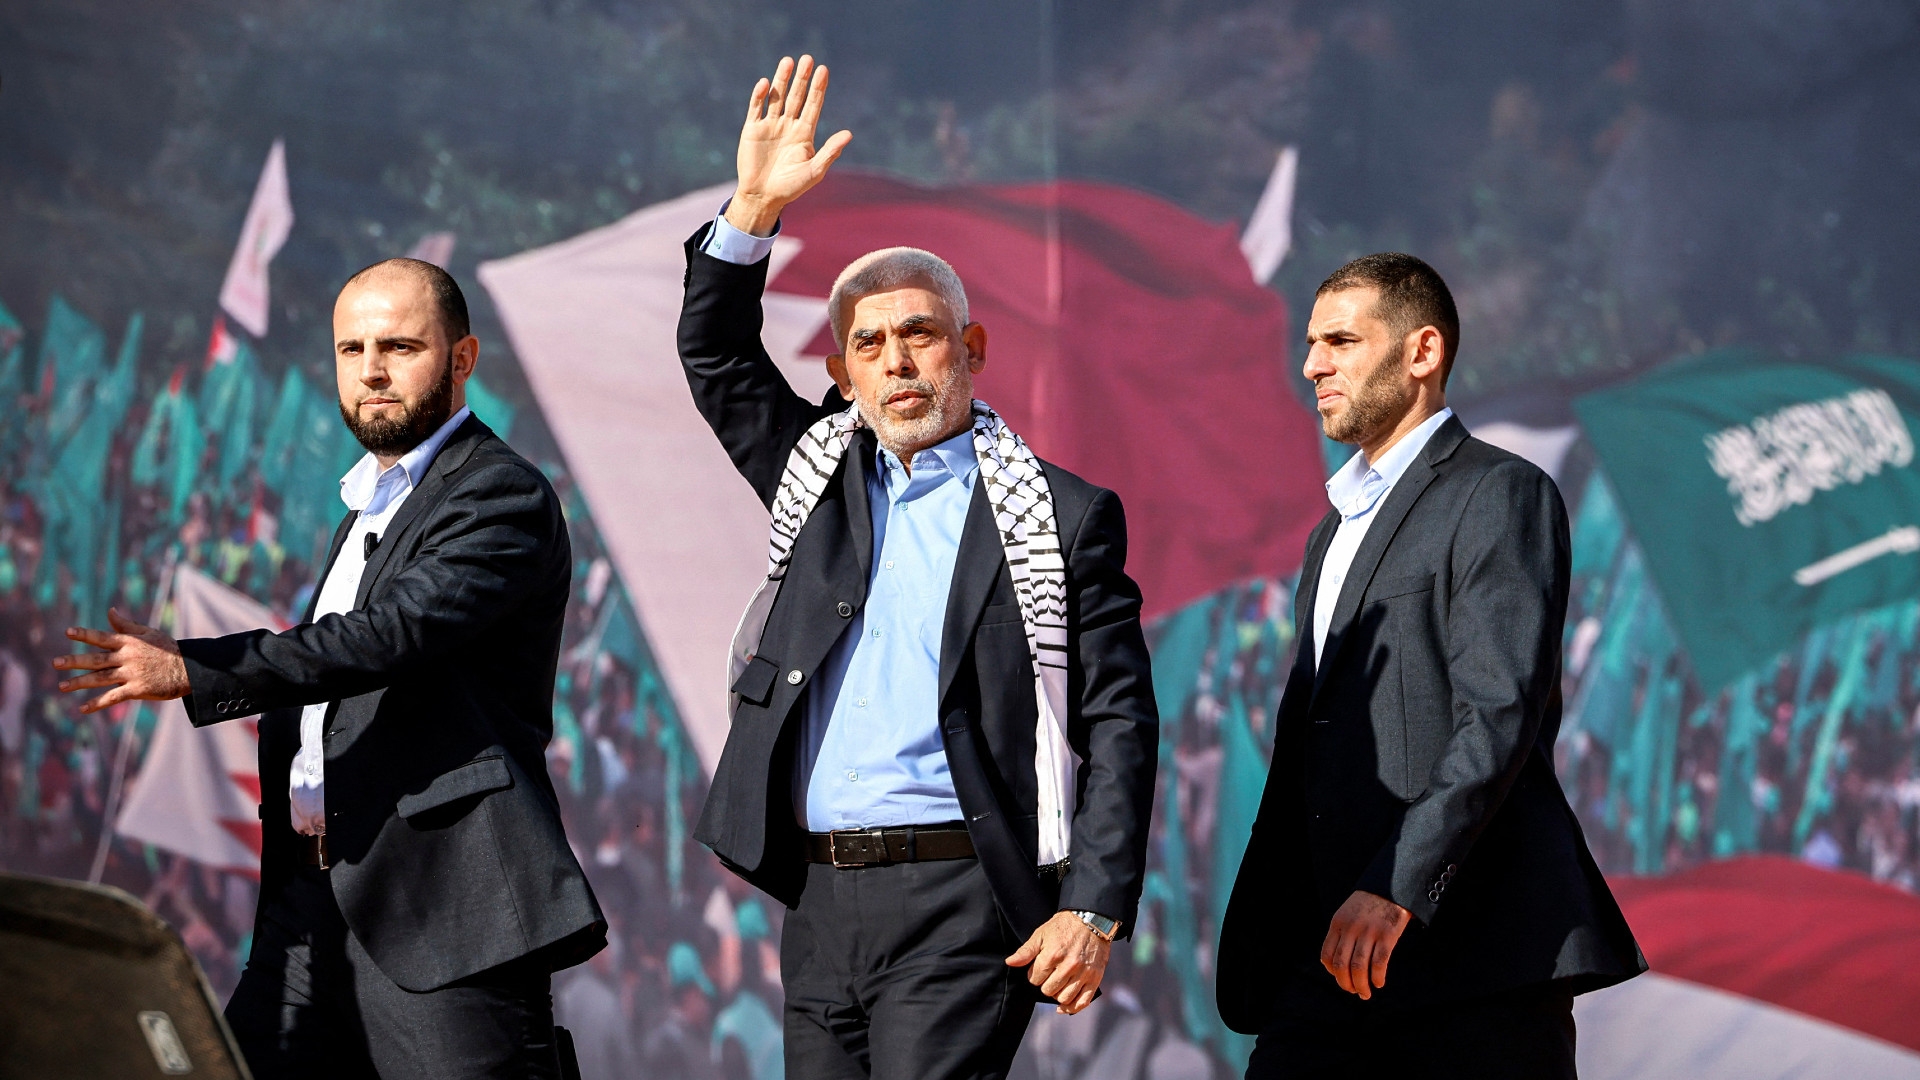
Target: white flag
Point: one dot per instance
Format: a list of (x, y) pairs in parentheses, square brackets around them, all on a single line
[(269, 219), (1269, 233), (435, 248), (198, 791)]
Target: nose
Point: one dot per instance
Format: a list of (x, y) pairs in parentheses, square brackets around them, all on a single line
[(1319, 363), (373, 368), (898, 358)]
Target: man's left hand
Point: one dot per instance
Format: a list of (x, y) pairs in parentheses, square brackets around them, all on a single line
[(1068, 959), (140, 664), (1360, 940)]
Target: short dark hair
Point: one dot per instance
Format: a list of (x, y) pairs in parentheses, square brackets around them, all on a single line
[(446, 292), (1412, 295)]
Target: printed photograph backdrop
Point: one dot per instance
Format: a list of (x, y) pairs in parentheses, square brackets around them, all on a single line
[(1683, 241)]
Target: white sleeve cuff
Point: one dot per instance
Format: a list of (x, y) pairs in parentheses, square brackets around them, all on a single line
[(728, 244)]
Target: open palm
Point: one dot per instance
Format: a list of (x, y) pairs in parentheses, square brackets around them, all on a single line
[(777, 160)]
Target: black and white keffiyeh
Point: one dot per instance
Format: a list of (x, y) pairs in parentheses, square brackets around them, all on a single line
[(1023, 513)]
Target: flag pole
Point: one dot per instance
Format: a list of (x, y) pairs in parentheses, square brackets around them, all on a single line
[(124, 752)]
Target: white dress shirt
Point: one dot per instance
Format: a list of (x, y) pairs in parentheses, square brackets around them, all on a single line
[(375, 495), (1356, 491)]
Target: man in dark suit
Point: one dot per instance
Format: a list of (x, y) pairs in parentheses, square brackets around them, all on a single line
[(888, 774), (417, 890), (1411, 813)]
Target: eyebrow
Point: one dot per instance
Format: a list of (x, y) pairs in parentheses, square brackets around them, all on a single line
[(384, 342)]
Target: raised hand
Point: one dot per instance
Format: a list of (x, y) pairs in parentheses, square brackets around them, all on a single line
[(139, 664), (777, 161)]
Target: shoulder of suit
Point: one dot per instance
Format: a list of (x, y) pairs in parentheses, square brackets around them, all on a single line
[(1499, 470), (491, 456), (1481, 456), (1071, 492)]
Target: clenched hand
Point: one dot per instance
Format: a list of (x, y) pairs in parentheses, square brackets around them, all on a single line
[(1360, 940), (1068, 959)]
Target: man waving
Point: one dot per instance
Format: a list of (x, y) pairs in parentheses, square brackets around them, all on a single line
[(944, 734)]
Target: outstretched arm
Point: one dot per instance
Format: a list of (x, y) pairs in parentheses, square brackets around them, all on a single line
[(744, 398)]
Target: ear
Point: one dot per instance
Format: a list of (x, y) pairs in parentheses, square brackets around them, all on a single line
[(837, 367), (466, 353), (1427, 353), (974, 336)]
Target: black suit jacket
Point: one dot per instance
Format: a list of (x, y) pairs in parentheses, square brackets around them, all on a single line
[(441, 819), (987, 706), (1416, 762)]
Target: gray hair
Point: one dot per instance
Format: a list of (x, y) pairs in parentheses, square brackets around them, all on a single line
[(891, 268)]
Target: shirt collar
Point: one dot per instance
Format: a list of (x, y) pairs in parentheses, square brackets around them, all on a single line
[(955, 454), (369, 489), (1359, 485)]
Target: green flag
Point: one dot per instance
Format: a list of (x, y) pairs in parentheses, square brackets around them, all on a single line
[(1769, 496)]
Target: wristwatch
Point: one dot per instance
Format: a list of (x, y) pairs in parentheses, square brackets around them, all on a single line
[(1099, 924)]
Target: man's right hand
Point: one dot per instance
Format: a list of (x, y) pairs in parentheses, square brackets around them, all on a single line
[(777, 161)]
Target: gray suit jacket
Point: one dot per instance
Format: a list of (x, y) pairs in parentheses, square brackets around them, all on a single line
[(1416, 762)]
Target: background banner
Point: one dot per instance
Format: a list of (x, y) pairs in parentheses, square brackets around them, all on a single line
[(1658, 221), (1770, 496)]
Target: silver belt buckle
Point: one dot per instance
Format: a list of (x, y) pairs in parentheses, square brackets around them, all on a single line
[(875, 837)]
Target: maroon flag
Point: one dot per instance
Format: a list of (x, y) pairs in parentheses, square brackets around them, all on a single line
[(1126, 341)]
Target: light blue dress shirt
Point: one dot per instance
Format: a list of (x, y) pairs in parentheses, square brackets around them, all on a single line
[(870, 749), (1356, 491)]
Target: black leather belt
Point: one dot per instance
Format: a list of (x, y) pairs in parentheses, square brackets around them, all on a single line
[(848, 848), (313, 851)]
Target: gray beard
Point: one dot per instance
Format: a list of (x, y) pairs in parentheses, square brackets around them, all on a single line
[(945, 404)]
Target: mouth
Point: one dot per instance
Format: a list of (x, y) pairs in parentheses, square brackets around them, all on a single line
[(906, 399), (376, 402)]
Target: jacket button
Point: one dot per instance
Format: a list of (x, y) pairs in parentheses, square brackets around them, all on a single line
[(1433, 896), (794, 677), (845, 609)]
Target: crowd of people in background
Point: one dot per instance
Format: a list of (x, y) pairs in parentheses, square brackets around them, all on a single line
[(112, 473)]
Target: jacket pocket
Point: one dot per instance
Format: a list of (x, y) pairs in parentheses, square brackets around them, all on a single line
[(995, 614), (755, 684), (1404, 585), (474, 778)]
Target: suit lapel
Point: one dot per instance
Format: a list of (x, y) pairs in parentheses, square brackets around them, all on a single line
[(1309, 587), (1380, 534), (976, 570), (459, 447), (859, 467), (1305, 593)]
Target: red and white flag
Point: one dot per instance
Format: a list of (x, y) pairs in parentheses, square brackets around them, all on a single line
[(198, 791), (244, 294)]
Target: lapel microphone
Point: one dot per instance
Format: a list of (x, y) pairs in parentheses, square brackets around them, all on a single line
[(372, 542)]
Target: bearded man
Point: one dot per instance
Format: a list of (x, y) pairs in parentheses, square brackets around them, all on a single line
[(1411, 813), (416, 888), (944, 734)]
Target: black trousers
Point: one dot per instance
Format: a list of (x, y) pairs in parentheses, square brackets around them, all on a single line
[(1519, 1035), (312, 1003), (899, 973)]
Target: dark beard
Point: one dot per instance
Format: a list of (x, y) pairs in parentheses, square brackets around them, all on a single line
[(399, 434), (1377, 402)]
